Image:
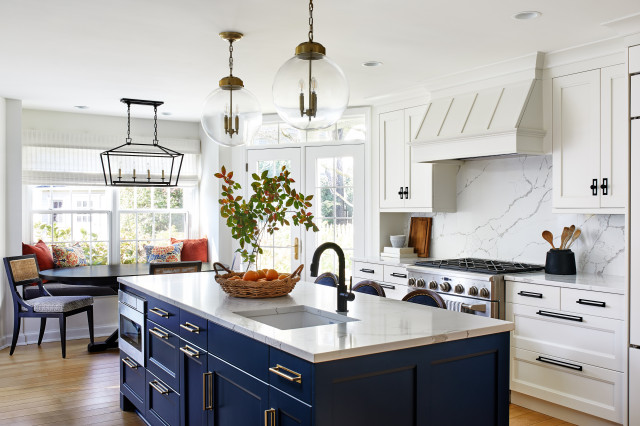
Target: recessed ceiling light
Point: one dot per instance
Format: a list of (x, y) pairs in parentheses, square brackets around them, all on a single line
[(165, 113), (81, 106), (529, 14), (371, 64)]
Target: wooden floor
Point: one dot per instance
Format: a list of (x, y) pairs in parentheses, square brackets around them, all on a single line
[(38, 387)]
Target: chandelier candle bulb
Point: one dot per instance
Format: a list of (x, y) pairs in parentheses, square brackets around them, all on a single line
[(134, 173)]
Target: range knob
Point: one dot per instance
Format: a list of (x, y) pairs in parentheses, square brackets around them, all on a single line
[(445, 286), (433, 285), (412, 282), (484, 292), (420, 282), (473, 291), (459, 289)]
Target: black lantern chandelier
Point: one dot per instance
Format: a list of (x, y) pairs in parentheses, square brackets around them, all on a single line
[(141, 164)]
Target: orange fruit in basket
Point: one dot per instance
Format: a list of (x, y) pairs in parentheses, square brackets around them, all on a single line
[(261, 273), (283, 276), (272, 274), (250, 276)]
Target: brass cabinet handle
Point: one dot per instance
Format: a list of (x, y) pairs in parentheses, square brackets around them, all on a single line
[(190, 327), (270, 414), (207, 379), (130, 363), (190, 351), (297, 377), (296, 248), (159, 333), (159, 312), (159, 387)]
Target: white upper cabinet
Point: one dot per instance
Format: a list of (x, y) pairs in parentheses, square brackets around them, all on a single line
[(404, 184), (590, 145)]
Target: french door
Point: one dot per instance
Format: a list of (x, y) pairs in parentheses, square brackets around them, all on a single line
[(334, 175)]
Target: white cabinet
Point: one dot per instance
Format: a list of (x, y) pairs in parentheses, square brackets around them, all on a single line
[(405, 185), (590, 144), (392, 278), (568, 347)]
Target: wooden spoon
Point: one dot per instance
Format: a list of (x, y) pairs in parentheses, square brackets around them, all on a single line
[(565, 242), (565, 231), (548, 236), (575, 237)]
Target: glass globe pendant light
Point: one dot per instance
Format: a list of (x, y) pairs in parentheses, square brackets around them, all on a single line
[(231, 115), (310, 91)]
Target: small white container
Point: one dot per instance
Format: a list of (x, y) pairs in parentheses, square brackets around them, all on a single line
[(397, 240)]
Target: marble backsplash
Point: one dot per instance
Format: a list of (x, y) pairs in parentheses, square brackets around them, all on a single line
[(503, 207)]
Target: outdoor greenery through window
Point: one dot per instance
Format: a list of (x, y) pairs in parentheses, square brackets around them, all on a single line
[(149, 216), (66, 216), (348, 128)]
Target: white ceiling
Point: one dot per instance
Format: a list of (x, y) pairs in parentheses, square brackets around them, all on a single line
[(57, 54)]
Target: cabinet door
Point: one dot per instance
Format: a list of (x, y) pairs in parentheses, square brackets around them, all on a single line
[(417, 176), (286, 410), (576, 140), (614, 140), (238, 398), (195, 402), (391, 159)]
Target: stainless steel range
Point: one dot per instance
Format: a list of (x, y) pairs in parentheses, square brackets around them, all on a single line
[(469, 285)]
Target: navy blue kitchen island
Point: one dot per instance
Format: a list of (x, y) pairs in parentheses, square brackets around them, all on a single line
[(208, 358)]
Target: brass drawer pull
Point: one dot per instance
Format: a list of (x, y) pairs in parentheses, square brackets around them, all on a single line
[(207, 379), (159, 333), (159, 312), (270, 414), (297, 377), (190, 351), (190, 327), (159, 387), (130, 363)]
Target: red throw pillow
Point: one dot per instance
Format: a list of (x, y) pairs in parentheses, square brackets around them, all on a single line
[(42, 252), (193, 249)]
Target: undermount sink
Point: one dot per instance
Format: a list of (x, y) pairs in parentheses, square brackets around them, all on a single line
[(291, 317)]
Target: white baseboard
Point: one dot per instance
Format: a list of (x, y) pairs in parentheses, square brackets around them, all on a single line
[(54, 335)]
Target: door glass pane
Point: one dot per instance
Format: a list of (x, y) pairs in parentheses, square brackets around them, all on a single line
[(282, 259), (267, 135), (290, 134)]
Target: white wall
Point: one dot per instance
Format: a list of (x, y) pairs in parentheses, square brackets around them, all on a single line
[(5, 297)]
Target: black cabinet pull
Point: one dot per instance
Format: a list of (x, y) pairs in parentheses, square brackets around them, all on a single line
[(591, 303), (559, 363), (389, 286), (367, 271), (530, 294), (401, 193), (605, 186), (594, 187), (397, 275), (406, 192), (559, 316)]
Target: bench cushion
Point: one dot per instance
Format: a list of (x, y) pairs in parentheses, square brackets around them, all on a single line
[(58, 304), (59, 289)]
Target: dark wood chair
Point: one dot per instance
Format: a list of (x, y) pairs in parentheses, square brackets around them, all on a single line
[(425, 297), (23, 270), (174, 267), (327, 279), (369, 287)]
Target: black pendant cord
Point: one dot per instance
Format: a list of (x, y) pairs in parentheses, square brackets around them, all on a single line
[(128, 140), (155, 125)]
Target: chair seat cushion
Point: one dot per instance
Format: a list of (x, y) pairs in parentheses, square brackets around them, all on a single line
[(59, 289), (57, 304)]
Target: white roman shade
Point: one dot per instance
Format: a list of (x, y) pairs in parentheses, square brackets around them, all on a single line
[(67, 158)]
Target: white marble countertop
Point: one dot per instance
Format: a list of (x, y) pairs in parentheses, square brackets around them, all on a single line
[(384, 324), (604, 283), (401, 261)]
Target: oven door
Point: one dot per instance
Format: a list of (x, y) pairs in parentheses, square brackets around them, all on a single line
[(470, 305), (131, 332)]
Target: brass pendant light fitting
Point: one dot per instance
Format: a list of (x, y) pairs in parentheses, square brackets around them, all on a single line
[(231, 83)]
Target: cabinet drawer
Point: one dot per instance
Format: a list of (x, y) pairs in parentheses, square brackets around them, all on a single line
[(583, 338), (290, 374), (368, 271), (395, 291), (163, 403), (163, 354), (606, 305), (132, 380), (163, 313), (543, 296), (582, 387), (395, 274), (240, 351), (193, 329)]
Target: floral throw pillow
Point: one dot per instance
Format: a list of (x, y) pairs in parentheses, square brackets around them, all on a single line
[(159, 254), (67, 257)]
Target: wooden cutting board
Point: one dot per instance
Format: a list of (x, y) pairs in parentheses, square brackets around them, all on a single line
[(420, 235)]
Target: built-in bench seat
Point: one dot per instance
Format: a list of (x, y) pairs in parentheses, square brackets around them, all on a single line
[(59, 289)]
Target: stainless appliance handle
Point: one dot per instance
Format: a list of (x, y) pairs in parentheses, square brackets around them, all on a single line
[(397, 275), (480, 307), (389, 286)]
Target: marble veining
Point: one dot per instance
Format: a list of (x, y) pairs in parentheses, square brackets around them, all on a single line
[(503, 207), (384, 324)]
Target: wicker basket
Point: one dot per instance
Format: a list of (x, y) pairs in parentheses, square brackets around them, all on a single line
[(254, 289)]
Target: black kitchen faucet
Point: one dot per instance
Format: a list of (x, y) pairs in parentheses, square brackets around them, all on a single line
[(343, 294)]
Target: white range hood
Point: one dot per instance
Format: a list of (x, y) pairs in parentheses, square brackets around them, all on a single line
[(503, 120)]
